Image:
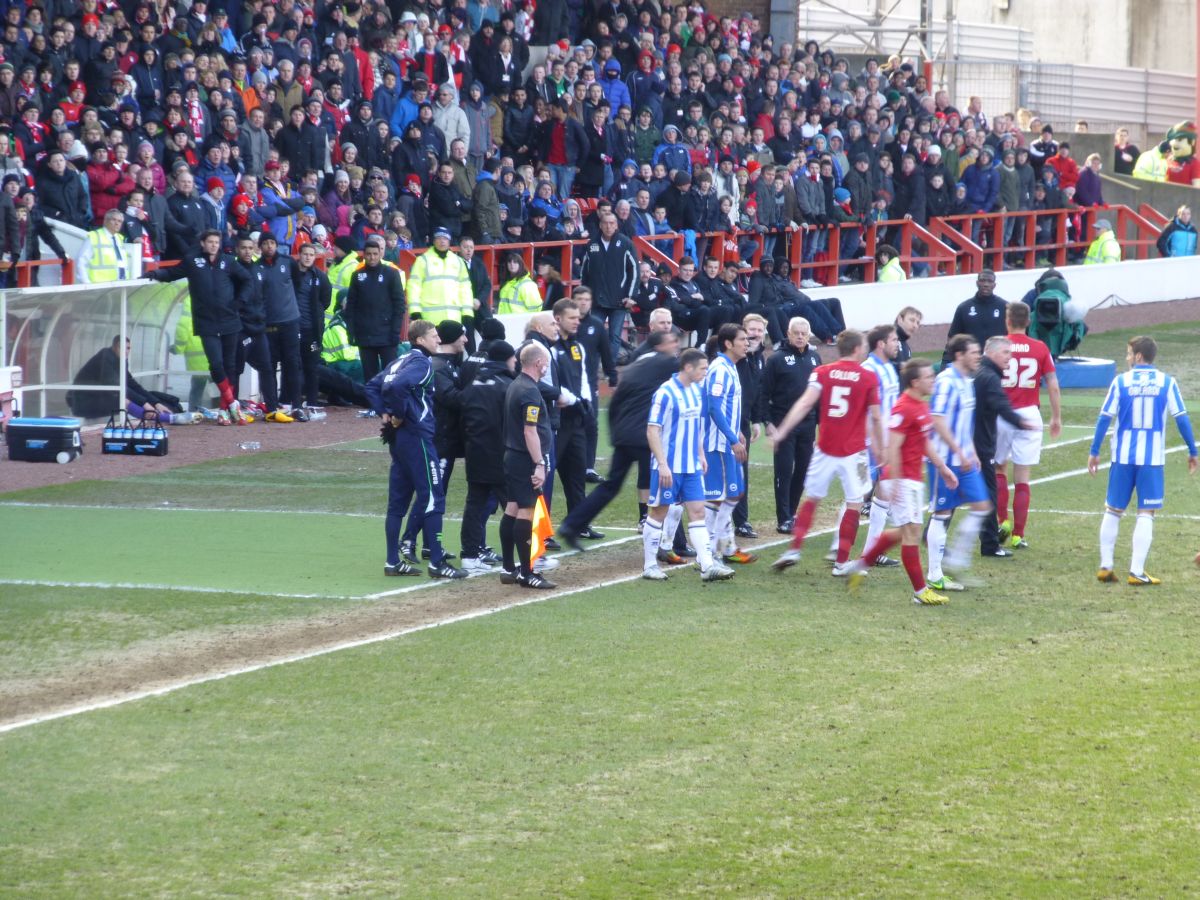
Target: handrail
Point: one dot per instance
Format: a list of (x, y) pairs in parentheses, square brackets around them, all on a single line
[(1153, 216)]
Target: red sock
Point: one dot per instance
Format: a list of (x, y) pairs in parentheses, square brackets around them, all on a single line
[(910, 555), (847, 532), (1020, 509), (226, 390), (804, 517), (885, 542), (1002, 496)]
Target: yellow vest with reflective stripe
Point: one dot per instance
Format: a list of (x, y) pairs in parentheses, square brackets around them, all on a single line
[(1151, 165), (189, 344), (336, 346), (440, 289), (1104, 249), (105, 262), (893, 271), (519, 295), (340, 274)]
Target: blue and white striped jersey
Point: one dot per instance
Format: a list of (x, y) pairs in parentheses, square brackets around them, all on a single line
[(678, 409), (1140, 401), (954, 400), (723, 396), (889, 388)]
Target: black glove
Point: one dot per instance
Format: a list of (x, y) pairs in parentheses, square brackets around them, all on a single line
[(387, 433)]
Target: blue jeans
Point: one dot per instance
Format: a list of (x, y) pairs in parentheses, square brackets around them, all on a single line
[(615, 320), (564, 179)]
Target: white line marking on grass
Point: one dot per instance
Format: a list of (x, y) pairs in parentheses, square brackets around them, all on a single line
[(192, 509), (1073, 472), (136, 586), (1097, 513), (346, 645)]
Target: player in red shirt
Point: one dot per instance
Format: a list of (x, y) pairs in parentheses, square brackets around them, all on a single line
[(903, 481), (1031, 362), (849, 398)]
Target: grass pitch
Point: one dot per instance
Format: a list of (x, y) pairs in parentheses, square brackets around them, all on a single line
[(768, 737)]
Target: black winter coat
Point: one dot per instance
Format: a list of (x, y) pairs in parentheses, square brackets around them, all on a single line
[(629, 408), (482, 416), (191, 220), (375, 306), (447, 206), (215, 287), (64, 197)]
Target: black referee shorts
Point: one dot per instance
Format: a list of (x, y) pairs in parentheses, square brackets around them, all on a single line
[(518, 472)]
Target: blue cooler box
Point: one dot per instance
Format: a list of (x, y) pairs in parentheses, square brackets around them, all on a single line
[(44, 440)]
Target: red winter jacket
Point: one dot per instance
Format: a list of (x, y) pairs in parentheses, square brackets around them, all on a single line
[(107, 186)]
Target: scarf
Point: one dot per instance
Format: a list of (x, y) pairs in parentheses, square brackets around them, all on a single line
[(195, 114)]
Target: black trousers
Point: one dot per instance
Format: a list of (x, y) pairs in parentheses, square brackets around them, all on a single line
[(310, 360), (989, 534), (695, 319), (221, 352), (591, 433), (374, 359), (254, 349), (570, 454), (482, 498), (284, 341), (741, 512), (335, 385), (792, 457), (623, 459)]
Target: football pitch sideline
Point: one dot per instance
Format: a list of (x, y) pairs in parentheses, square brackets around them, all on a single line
[(772, 736)]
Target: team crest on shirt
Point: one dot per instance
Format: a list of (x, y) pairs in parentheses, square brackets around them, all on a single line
[(790, 360), (594, 248), (282, 268), (199, 262), (362, 276)]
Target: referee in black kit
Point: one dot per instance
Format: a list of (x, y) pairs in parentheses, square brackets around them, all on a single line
[(526, 451)]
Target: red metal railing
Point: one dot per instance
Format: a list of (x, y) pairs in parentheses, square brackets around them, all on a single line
[(951, 245)]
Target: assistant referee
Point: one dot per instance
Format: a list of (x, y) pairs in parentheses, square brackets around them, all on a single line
[(526, 453)]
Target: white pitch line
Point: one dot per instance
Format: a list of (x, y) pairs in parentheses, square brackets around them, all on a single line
[(137, 586), (323, 651), (1097, 513), (1073, 472)]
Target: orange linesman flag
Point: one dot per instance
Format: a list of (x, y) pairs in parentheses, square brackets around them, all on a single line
[(543, 528)]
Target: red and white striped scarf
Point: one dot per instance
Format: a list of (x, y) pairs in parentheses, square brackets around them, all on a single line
[(195, 114)]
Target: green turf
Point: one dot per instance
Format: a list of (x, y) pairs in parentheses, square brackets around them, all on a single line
[(769, 737)]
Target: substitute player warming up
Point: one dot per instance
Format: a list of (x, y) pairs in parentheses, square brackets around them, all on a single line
[(1140, 401)]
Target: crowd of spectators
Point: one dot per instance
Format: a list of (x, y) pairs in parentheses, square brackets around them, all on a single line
[(328, 123)]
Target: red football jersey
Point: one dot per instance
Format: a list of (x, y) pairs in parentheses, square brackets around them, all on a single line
[(910, 422), (847, 390), (1031, 362)]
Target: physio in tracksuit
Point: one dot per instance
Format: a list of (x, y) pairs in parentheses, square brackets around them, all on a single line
[(402, 395)]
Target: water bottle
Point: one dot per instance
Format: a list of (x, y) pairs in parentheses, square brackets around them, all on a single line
[(139, 432), (108, 432), (126, 431), (249, 445)]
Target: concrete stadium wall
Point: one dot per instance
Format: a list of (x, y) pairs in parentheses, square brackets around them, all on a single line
[(1139, 281), (867, 305)]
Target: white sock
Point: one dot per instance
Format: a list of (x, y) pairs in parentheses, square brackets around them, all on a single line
[(833, 545), (722, 528), (698, 535), (879, 516), (652, 534), (961, 547), (1143, 536), (935, 545), (710, 517), (1110, 526), (671, 523)]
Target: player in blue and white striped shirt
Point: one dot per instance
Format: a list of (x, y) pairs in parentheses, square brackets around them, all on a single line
[(885, 347), (1140, 401), (724, 443), (675, 432), (953, 410)]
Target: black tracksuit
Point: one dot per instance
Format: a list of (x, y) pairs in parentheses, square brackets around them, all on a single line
[(213, 288), (990, 402), (313, 293), (252, 345), (283, 323), (785, 378), (981, 318), (628, 412)]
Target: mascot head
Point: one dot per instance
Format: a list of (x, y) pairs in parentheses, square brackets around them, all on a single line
[(1183, 140)]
